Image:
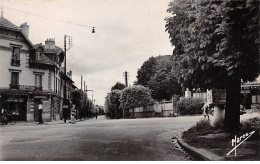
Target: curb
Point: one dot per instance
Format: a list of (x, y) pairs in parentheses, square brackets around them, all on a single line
[(199, 153)]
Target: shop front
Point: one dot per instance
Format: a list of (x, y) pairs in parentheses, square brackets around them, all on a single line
[(15, 104)]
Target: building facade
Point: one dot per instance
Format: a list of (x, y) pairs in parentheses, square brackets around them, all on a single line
[(30, 74)]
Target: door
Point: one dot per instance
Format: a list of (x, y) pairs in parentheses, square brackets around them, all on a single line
[(36, 112)]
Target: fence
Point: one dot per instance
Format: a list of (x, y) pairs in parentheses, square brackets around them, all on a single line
[(200, 95), (159, 109)]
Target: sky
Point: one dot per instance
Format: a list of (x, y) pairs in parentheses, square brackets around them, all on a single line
[(128, 32)]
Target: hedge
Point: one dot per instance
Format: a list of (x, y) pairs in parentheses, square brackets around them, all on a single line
[(190, 106)]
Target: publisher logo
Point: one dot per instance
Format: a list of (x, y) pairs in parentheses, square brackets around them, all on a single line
[(237, 141)]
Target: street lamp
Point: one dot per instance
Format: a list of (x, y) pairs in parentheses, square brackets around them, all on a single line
[(92, 97)]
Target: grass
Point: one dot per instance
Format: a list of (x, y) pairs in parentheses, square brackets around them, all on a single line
[(213, 139)]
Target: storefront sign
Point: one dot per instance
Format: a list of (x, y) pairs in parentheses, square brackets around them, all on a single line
[(12, 99), (245, 91), (26, 87), (216, 96), (41, 97)]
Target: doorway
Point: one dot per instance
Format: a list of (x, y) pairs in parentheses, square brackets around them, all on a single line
[(36, 111)]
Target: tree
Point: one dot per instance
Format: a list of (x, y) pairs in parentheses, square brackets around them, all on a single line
[(118, 86), (146, 71), (134, 97), (164, 84), (215, 47), (113, 103), (156, 74), (82, 103)]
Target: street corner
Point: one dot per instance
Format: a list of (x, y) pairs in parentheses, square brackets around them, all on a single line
[(197, 153)]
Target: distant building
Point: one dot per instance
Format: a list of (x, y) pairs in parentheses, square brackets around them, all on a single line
[(250, 95), (46, 62)]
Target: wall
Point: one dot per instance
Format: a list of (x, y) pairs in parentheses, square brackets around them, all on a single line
[(141, 112), (6, 55), (158, 109), (26, 76)]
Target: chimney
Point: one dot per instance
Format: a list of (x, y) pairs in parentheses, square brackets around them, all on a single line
[(50, 44), (25, 29)]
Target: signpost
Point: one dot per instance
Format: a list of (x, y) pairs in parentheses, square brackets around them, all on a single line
[(216, 96)]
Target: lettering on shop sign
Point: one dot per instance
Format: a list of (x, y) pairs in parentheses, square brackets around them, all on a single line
[(237, 141)]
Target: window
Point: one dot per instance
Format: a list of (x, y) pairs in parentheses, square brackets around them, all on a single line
[(38, 81), (15, 61), (38, 55), (14, 80)]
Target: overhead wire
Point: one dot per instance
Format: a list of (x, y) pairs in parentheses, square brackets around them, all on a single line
[(76, 24)]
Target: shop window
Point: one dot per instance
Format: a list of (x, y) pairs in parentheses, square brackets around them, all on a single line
[(14, 80), (38, 81), (15, 61)]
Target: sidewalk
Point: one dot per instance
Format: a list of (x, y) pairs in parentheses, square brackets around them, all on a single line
[(214, 147), (25, 123)]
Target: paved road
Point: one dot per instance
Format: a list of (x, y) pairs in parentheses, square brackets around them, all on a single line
[(101, 139)]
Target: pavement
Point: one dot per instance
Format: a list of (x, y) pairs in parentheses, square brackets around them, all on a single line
[(147, 139), (203, 154)]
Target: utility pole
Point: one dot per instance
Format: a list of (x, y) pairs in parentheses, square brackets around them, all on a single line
[(65, 59), (84, 86), (66, 102), (81, 79), (66, 49), (126, 78), (92, 96)]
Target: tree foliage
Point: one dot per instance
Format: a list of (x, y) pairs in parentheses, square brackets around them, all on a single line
[(146, 71), (82, 103), (156, 74), (215, 47), (112, 103), (134, 97), (214, 40), (164, 84), (118, 86)]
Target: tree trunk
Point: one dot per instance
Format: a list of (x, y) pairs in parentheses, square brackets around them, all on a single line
[(124, 113), (232, 111)]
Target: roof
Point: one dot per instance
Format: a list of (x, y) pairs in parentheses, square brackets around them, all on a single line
[(45, 60), (58, 50), (6, 24)]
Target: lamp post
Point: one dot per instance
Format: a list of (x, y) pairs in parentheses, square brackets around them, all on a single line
[(65, 99), (92, 97)]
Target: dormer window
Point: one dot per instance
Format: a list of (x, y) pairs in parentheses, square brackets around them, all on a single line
[(15, 61), (38, 55)]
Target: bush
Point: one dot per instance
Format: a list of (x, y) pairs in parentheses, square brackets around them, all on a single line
[(190, 106), (203, 127), (135, 96), (250, 125)]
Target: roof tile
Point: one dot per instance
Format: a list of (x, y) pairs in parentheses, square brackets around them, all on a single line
[(4, 23)]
